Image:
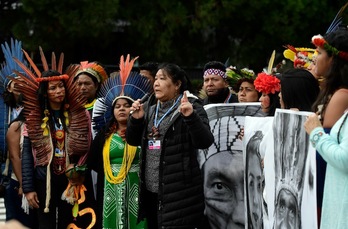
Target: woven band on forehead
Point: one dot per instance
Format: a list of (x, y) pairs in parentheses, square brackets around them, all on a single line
[(213, 71)]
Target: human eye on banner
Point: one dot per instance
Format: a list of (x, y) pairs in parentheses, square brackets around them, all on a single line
[(222, 164), (247, 170)]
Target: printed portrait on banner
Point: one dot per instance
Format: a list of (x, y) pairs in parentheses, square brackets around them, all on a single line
[(290, 187), (222, 164), (257, 138)]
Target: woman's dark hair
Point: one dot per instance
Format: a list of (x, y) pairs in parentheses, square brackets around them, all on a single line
[(9, 98), (299, 89), (274, 103), (176, 74), (43, 98), (337, 76)]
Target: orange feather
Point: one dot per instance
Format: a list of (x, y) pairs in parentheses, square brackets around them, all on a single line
[(53, 62), (43, 59), (32, 64)]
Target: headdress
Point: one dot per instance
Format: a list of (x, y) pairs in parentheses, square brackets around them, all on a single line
[(265, 82), (10, 65), (213, 71), (319, 41), (301, 57), (126, 84), (234, 75), (77, 138), (94, 69)]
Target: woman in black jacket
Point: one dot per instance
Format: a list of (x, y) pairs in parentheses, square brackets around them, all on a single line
[(170, 133)]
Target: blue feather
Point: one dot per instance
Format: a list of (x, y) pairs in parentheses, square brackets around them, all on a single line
[(337, 21), (10, 51), (135, 87)]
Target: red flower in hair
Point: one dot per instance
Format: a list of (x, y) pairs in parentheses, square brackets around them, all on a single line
[(267, 84), (319, 42)]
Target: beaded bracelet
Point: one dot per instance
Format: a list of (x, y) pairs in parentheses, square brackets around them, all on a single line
[(316, 138)]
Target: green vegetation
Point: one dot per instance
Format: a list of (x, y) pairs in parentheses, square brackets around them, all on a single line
[(187, 32)]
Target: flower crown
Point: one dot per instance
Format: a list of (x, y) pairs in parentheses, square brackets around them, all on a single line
[(234, 75), (267, 84), (319, 41)]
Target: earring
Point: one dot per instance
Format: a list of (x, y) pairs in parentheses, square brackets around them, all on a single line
[(66, 115), (44, 125)]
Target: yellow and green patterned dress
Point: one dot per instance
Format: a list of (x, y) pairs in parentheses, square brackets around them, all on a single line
[(120, 207)]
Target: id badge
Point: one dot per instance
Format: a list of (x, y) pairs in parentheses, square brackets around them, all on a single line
[(154, 144)]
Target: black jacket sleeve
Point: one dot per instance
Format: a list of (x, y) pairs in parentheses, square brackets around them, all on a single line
[(134, 132), (27, 167), (199, 128)]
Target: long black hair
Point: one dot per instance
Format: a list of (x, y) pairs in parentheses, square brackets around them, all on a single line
[(274, 103), (299, 89), (337, 76)]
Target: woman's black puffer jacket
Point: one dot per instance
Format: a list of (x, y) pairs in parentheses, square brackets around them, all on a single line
[(180, 197)]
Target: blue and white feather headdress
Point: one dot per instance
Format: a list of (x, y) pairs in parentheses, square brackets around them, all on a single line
[(14, 49), (7, 68), (126, 84)]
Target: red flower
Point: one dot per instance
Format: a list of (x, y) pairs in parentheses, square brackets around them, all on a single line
[(267, 84)]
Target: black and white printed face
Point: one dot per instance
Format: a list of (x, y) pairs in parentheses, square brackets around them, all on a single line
[(254, 186), (224, 190), (287, 211)]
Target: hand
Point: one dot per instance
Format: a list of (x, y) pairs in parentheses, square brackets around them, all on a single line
[(137, 110), (186, 107), (19, 191), (32, 198), (311, 123)]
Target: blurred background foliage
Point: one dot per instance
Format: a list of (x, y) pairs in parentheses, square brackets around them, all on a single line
[(187, 32)]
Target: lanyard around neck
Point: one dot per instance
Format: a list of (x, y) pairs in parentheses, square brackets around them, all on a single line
[(156, 123)]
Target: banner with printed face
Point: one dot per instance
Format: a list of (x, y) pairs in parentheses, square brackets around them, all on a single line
[(288, 192), (257, 141), (222, 164)]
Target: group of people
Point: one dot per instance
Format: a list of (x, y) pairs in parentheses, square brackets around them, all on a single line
[(90, 149)]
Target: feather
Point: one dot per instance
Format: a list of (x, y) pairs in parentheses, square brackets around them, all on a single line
[(32, 64), (26, 70), (270, 63), (43, 59), (60, 63), (289, 54), (53, 62), (10, 65), (337, 21), (126, 67)]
